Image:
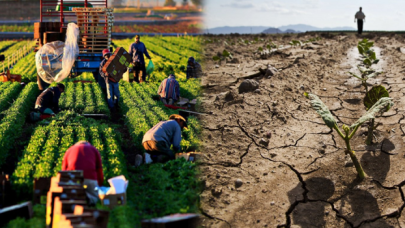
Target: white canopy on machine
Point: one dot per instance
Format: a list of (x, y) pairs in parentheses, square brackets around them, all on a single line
[(55, 60)]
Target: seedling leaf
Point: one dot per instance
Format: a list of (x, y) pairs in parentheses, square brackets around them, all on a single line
[(367, 62), (356, 76), (375, 94), (322, 110), (380, 106), (216, 58), (225, 53), (361, 50), (373, 56), (376, 61)]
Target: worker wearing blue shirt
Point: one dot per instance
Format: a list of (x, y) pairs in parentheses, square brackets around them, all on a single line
[(137, 50)]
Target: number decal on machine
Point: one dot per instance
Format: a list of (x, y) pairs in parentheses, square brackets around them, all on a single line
[(87, 64)]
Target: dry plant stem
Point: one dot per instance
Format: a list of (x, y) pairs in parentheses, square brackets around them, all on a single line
[(349, 150), (369, 139)]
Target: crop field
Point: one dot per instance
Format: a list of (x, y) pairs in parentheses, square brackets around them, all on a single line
[(179, 27), (33, 150), (270, 159)]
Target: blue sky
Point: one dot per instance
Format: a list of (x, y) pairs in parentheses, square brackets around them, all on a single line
[(380, 14)]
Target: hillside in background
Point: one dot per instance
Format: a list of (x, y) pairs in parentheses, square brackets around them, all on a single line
[(271, 30)]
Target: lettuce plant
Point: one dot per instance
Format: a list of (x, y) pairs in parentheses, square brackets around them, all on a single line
[(348, 132)]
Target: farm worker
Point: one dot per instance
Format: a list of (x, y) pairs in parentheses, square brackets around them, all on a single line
[(137, 50), (84, 156), (48, 101), (169, 90), (360, 18), (158, 139), (113, 90), (194, 69)]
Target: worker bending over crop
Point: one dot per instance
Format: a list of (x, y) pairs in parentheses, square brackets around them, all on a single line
[(158, 139), (84, 156), (194, 69), (169, 90), (48, 101), (137, 50), (113, 90)]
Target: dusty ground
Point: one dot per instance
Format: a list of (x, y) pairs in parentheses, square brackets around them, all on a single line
[(302, 178)]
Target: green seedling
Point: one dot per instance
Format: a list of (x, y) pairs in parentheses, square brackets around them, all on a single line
[(371, 98), (271, 46), (365, 75), (260, 49), (364, 46), (348, 132), (295, 43), (223, 55)]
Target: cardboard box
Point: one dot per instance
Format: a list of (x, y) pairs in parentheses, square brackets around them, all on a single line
[(113, 200), (117, 64)]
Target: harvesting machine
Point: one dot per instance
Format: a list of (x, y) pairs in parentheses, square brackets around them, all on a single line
[(94, 20)]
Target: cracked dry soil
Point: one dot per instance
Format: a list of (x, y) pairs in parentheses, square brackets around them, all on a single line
[(302, 177)]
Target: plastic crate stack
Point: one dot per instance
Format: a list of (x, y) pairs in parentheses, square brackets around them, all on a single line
[(95, 26), (66, 205)]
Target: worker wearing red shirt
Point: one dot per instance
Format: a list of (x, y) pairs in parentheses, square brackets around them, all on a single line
[(84, 156)]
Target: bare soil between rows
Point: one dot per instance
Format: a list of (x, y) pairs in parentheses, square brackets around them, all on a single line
[(302, 178)]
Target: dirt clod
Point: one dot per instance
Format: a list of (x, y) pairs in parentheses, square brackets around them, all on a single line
[(238, 183), (248, 85), (264, 142)]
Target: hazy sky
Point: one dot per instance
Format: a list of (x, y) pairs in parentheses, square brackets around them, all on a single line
[(380, 14)]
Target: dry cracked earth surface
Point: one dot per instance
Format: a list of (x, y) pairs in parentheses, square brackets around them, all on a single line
[(270, 161)]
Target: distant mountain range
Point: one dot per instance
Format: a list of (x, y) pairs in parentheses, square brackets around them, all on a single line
[(263, 29)]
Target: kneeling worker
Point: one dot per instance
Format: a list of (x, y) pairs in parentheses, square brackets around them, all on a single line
[(169, 90), (48, 101), (84, 156), (158, 139)]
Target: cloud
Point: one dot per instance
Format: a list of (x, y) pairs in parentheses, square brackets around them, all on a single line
[(275, 7), (240, 4)]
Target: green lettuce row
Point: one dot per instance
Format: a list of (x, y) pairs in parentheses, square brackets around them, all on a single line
[(67, 99), (11, 124), (48, 156), (8, 95), (90, 106), (151, 119), (113, 154), (79, 95), (67, 140), (26, 68), (22, 177), (134, 118), (101, 103), (97, 141), (4, 85), (185, 44), (180, 50)]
